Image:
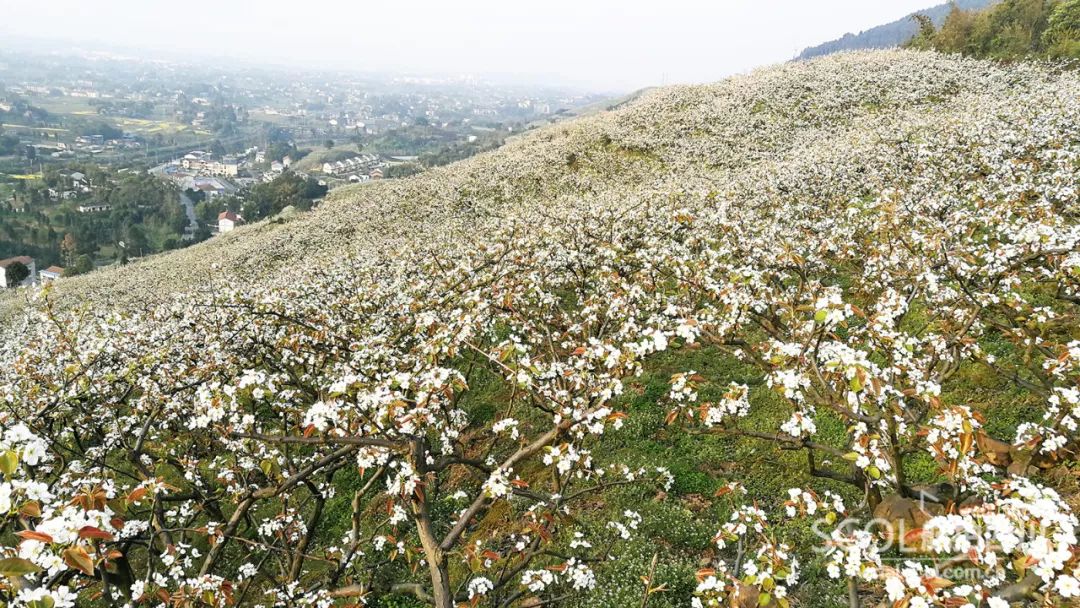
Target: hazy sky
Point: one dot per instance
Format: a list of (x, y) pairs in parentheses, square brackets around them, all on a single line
[(600, 44)]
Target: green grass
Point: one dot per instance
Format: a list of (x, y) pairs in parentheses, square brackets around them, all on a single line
[(679, 526)]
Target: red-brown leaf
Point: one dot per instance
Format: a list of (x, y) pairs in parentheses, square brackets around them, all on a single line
[(92, 532), (34, 535)]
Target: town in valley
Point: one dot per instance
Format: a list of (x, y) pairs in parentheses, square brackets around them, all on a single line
[(106, 157)]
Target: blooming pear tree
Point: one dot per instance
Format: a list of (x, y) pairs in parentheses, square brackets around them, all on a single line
[(871, 324), (190, 457)]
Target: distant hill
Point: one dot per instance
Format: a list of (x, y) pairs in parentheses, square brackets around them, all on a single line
[(891, 34)]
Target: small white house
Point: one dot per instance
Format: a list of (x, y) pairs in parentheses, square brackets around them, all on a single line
[(50, 274), (25, 260), (94, 208), (227, 221)]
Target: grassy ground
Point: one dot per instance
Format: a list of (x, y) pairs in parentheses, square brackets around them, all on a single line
[(679, 526), (142, 126), (64, 105), (33, 129)]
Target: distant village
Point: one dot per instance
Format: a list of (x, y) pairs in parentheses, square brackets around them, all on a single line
[(77, 131), (202, 171), (203, 175), (358, 169)]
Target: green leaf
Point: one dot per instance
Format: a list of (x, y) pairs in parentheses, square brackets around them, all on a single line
[(851, 456), (764, 599), (268, 467), (820, 315), (874, 472), (855, 384), (14, 567)]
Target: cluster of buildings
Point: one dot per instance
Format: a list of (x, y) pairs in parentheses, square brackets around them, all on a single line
[(203, 163), (360, 168), (33, 277), (201, 172), (88, 144), (277, 167), (94, 208), (76, 183), (96, 144), (211, 187)]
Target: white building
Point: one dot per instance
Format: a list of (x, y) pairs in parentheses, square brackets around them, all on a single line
[(228, 168), (50, 274), (94, 208), (357, 164), (26, 261), (227, 221)]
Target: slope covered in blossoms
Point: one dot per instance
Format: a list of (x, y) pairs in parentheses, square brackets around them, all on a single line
[(835, 123), (808, 336)]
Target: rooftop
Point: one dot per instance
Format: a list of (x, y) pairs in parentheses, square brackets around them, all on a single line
[(24, 259)]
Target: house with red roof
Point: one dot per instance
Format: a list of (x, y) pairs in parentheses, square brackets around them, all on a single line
[(25, 260), (227, 221)]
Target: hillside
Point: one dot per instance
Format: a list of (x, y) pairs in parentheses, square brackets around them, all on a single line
[(892, 34), (718, 346), (653, 145)]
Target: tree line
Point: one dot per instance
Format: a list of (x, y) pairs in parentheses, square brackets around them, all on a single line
[(1009, 30)]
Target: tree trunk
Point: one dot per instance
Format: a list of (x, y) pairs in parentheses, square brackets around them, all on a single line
[(440, 583), (436, 559), (442, 596), (873, 494)]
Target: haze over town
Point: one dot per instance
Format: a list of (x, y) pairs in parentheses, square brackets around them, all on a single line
[(606, 45)]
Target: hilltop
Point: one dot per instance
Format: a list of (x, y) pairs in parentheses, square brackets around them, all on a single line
[(892, 34), (721, 345)]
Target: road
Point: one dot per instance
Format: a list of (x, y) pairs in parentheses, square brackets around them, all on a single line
[(189, 208)]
